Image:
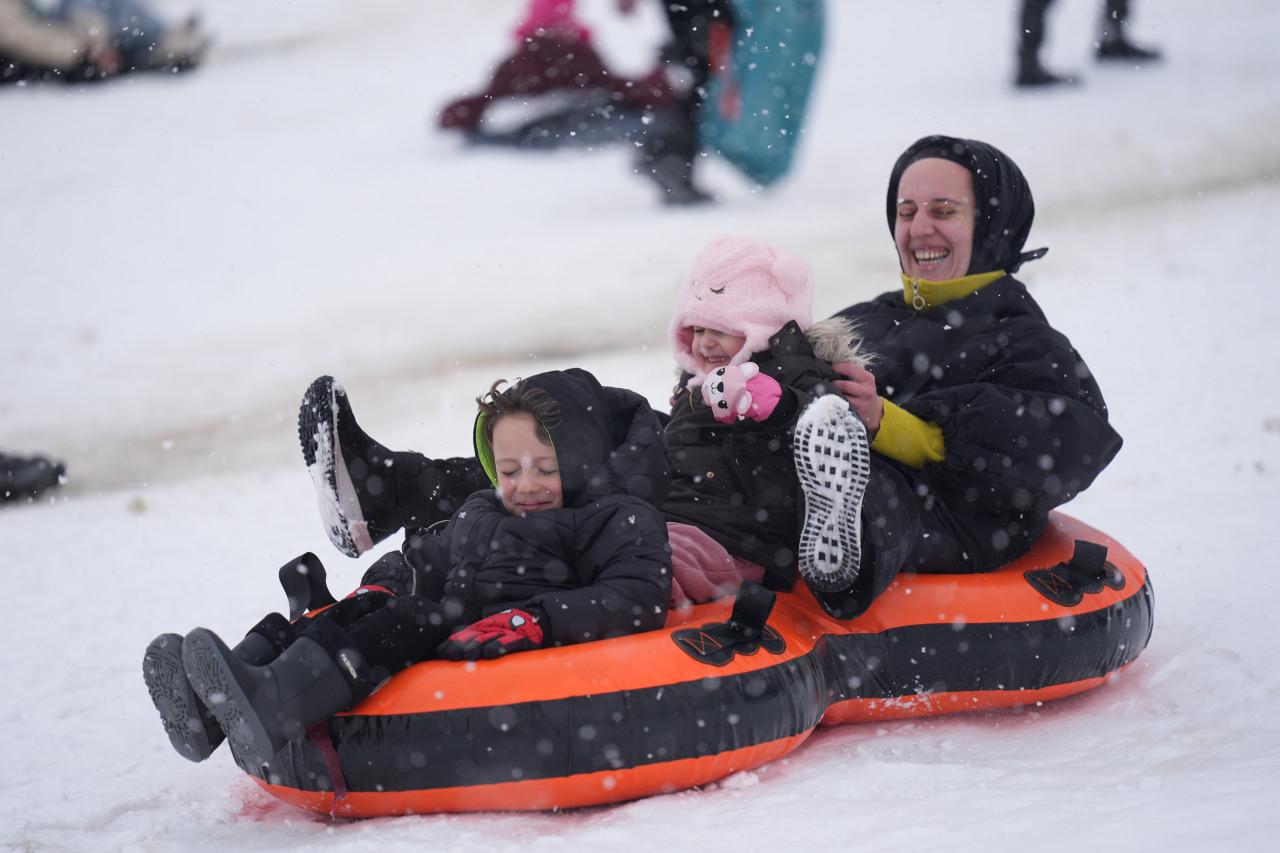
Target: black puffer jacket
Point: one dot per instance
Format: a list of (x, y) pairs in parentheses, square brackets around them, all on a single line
[(599, 566), (1023, 421), (738, 481)]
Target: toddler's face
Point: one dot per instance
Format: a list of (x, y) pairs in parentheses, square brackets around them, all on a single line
[(528, 473), (713, 348)]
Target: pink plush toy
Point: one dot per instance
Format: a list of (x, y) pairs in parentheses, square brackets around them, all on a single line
[(738, 391)]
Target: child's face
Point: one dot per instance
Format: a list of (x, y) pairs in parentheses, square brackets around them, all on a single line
[(528, 474), (713, 348)]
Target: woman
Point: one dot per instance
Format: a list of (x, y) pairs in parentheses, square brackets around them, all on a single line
[(981, 416)]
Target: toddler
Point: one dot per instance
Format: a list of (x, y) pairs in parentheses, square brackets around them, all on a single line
[(751, 360)]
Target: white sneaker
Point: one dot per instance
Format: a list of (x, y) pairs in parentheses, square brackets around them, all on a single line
[(833, 463)]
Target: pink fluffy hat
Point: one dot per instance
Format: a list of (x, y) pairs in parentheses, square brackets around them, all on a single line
[(743, 287)]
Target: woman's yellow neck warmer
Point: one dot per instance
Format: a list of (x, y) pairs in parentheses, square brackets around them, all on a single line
[(922, 294)]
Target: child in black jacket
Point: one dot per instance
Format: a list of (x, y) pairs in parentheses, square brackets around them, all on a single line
[(569, 548)]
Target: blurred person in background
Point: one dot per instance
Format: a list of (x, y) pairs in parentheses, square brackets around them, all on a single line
[(83, 40), (733, 78), (27, 476), (553, 53), (1112, 43), (556, 68)]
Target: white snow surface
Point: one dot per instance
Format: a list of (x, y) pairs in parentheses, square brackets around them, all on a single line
[(180, 257)]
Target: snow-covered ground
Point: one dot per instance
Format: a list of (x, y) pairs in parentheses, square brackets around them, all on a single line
[(179, 257)]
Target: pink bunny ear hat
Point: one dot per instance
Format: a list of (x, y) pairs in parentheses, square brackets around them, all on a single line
[(743, 287)]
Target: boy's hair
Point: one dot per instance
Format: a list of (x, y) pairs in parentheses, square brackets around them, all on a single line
[(516, 399)]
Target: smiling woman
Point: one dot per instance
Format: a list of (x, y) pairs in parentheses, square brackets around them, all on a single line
[(982, 416), (934, 229), (967, 189)]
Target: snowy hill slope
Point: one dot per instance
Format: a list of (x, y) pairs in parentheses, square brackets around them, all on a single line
[(180, 257), (289, 208)]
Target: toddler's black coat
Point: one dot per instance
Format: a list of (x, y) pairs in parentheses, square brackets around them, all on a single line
[(597, 567), (738, 481)]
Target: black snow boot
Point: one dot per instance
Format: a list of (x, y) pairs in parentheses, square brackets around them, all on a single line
[(365, 491), (352, 473), (192, 730), (262, 708), (26, 477)]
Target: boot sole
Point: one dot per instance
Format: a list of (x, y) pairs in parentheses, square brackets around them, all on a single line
[(833, 464), (204, 658), (192, 730), (322, 451)]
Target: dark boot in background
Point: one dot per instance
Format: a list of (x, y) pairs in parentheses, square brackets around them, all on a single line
[(1112, 42), (667, 151), (26, 477), (1035, 75), (1031, 31), (1128, 51)]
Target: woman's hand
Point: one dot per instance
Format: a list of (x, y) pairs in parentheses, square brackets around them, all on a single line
[(859, 388)]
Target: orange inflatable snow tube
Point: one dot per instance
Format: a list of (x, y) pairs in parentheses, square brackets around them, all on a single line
[(710, 694)]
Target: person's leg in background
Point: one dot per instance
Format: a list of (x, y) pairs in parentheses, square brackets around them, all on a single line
[(1031, 34), (1112, 41)]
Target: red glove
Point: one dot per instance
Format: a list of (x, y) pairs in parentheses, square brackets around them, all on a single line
[(494, 636)]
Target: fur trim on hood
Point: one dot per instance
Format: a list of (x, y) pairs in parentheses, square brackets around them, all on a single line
[(838, 340)]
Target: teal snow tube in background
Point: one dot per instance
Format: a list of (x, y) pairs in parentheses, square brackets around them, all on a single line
[(755, 106)]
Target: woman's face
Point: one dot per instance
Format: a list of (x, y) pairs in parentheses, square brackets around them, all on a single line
[(934, 227)]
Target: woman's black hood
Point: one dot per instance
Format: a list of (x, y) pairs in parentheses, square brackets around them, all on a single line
[(1004, 207), (607, 440)]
